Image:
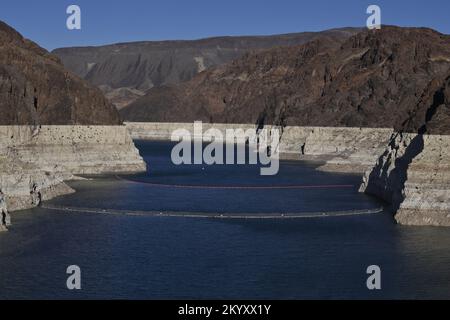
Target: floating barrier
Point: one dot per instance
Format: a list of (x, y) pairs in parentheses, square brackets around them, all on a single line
[(215, 215), (206, 187)]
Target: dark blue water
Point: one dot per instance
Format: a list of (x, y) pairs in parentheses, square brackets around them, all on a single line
[(221, 189), (145, 257)]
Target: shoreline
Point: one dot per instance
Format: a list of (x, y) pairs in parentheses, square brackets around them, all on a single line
[(417, 188)]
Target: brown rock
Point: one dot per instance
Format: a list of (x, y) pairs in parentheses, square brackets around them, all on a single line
[(35, 88)]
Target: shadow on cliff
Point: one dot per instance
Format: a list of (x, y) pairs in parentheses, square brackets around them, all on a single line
[(390, 184)]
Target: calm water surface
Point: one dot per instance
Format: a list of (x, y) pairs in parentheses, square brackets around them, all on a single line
[(145, 257)]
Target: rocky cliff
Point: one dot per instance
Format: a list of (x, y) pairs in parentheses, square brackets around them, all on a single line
[(52, 125), (127, 71), (413, 173), (35, 88)]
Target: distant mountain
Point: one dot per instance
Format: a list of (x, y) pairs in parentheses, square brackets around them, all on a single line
[(126, 71), (35, 88), (393, 77)]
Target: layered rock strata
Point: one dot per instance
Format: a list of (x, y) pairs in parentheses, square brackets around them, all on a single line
[(35, 162), (341, 149), (24, 186), (413, 174), (74, 149)]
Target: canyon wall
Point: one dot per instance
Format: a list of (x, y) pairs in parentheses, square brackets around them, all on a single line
[(341, 149), (413, 174), (74, 149)]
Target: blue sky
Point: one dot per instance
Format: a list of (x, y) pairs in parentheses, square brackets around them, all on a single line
[(111, 21)]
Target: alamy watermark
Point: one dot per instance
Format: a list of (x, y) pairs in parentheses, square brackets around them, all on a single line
[(374, 20), (374, 280), (73, 22), (74, 280), (257, 146)]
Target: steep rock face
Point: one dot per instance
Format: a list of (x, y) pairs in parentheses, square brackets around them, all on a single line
[(35, 89), (373, 79), (127, 71), (74, 149), (413, 174)]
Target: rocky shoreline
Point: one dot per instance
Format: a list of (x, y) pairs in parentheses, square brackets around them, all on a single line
[(36, 161), (409, 171)]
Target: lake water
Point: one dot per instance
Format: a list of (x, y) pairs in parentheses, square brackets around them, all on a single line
[(143, 256)]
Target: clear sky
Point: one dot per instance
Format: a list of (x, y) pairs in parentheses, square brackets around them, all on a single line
[(110, 21)]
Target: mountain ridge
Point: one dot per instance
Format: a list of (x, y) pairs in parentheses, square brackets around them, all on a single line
[(126, 71)]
